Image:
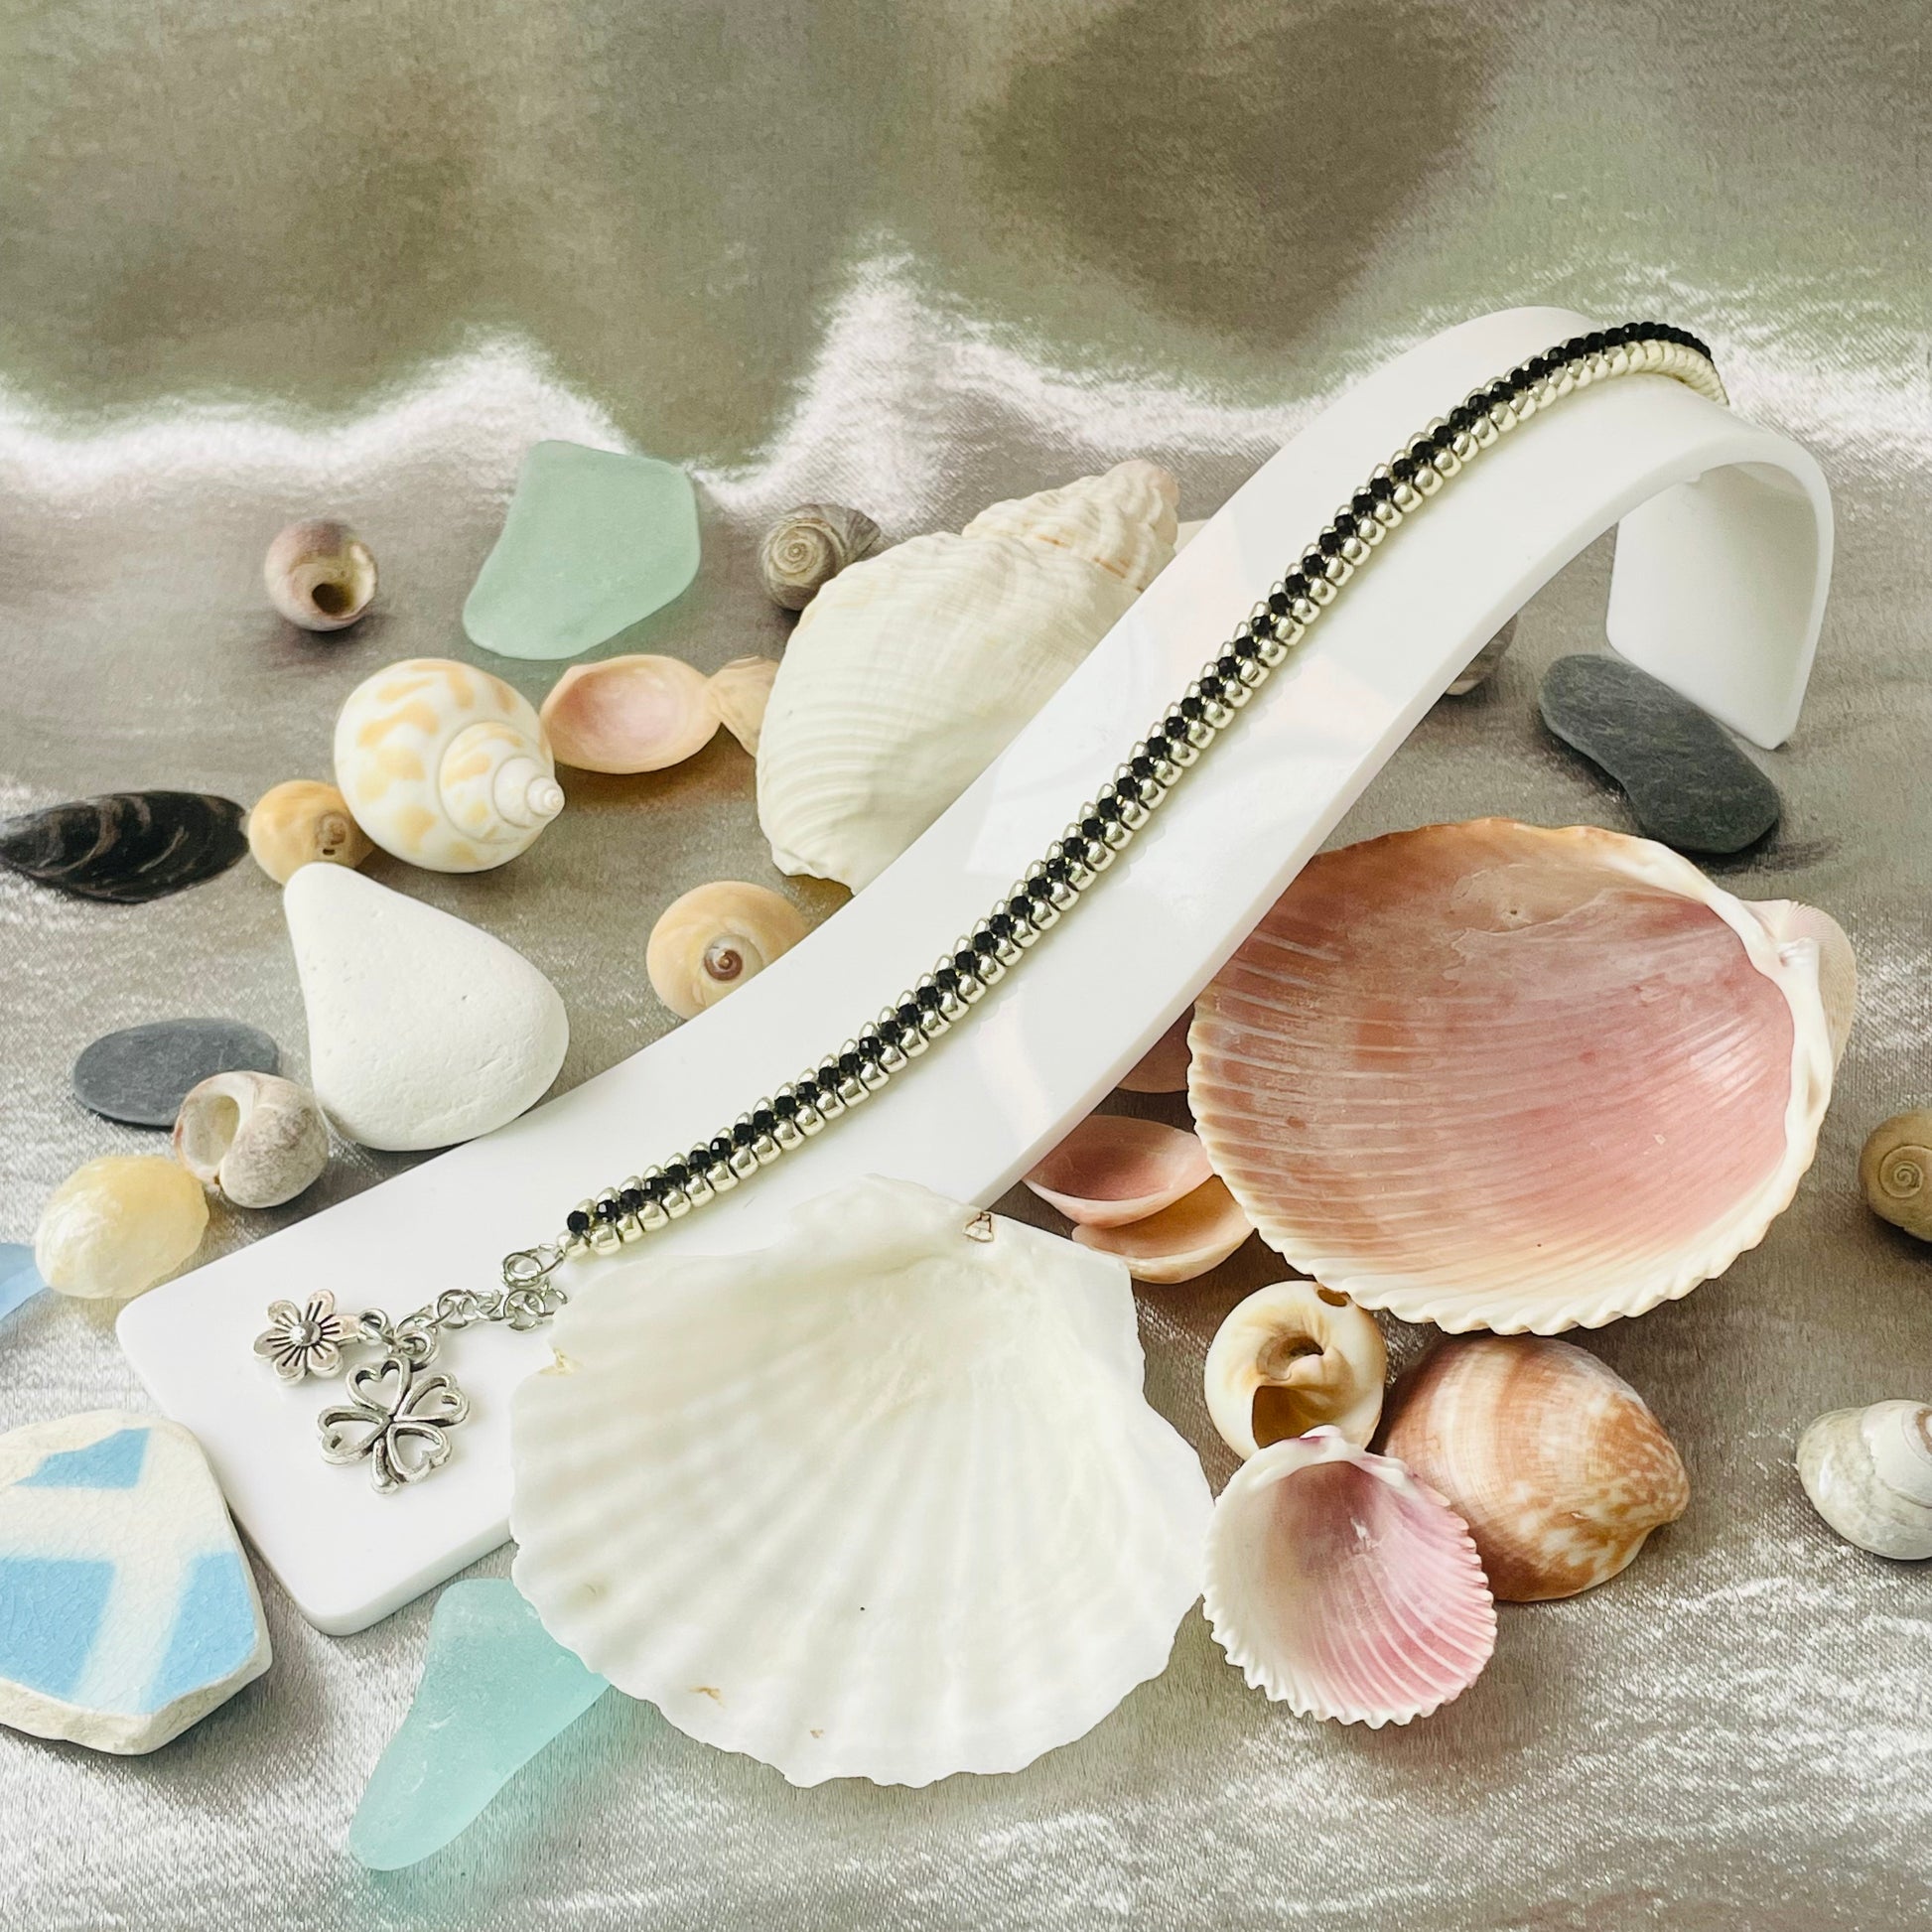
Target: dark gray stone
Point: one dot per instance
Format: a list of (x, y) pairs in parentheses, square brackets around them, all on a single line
[(1688, 783), (142, 1075)]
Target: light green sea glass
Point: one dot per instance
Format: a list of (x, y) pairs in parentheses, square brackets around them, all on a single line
[(496, 1688), (592, 542)]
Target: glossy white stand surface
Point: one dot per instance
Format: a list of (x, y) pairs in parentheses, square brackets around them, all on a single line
[(1718, 588)]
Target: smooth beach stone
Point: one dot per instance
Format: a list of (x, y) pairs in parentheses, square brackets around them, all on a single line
[(422, 1030), (127, 846), (496, 1688), (142, 1075), (1687, 782), (20, 1280), (594, 541), (127, 1611)]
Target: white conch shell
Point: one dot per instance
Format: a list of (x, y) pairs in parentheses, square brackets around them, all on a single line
[(1185, 1240), (639, 713), (259, 1138), (911, 670), (1344, 1587), (882, 1500), (1289, 1358), (1495, 1076), (1114, 1169), (445, 765), (1551, 1457), (1868, 1474)]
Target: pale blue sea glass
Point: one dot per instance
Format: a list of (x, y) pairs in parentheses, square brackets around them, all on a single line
[(594, 541), (496, 1688), (19, 1279)]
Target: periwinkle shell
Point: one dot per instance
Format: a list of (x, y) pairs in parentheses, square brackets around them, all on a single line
[(126, 847), (808, 546)]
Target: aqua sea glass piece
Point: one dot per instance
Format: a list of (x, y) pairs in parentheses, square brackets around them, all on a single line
[(19, 1278), (496, 1688), (594, 541)]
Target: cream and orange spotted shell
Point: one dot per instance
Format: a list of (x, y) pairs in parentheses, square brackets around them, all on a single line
[(445, 765)]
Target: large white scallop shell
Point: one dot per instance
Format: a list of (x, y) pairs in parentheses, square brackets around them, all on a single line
[(911, 670), (1344, 1587), (445, 765), (1497, 1077), (882, 1500)]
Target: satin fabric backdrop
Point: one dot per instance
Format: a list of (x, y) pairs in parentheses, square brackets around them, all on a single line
[(266, 259)]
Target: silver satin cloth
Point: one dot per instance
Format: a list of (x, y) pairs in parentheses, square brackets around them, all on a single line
[(269, 260)]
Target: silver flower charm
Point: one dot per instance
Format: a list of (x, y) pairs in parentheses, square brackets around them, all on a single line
[(398, 1417), (304, 1341)]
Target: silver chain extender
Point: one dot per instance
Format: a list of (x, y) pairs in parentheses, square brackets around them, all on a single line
[(399, 1414)]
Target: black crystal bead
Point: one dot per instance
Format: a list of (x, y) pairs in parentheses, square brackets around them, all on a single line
[(1157, 747), (1037, 888), (1596, 342), (1229, 668), (700, 1158), (1295, 584), (1020, 908), (1141, 767), (1362, 503), (1057, 870), (1442, 436), (577, 1221), (677, 1173), (742, 1133), (630, 1199), (606, 1210), (1314, 565), (984, 944), (1461, 417), (1380, 489), (1243, 648), (1278, 601), (848, 1064), (1091, 827), (927, 997), (1190, 707), (1497, 394), (1127, 787), (963, 960), (763, 1120), (656, 1187), (785, 1105), (1001, 928), (829, 1074), (1403, 468), (946, 980), (807, 1091), (1105, 808), (719, 1148)]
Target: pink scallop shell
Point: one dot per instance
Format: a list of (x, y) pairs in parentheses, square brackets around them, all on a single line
[(1113, 1170), (1497, 1076), (1344, 1587)]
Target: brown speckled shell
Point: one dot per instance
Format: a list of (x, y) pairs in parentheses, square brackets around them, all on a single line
[(1554, 1460)]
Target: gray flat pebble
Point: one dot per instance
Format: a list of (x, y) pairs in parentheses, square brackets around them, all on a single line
[(1687, 782), (142, 1075)]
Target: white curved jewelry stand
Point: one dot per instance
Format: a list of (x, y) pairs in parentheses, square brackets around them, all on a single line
[(1722, 567)]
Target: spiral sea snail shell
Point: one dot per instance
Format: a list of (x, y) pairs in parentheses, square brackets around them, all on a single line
[(808, 546), (716, 938), (1895, 1171), (445, 765), (320, 575), (303, 822)]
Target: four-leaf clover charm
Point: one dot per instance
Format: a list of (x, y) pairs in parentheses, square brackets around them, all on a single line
[(304, 1341), (398, 1417)]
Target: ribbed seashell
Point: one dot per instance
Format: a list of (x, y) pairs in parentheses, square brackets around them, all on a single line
[(1197, 1232), (911, 671), (1289, 1358), (1162, 1068), (1112, 1170), (881, 1500), (1895, 1171), (807, 547), (714, 938), (303, 823), (1786, 920), (117, 1225), (741, 690), (1868, 1474), (1495, 1076), (1342, 1586), (320, 575), (445, 765), (640, 713), (1553, 1459), (258, 1137), (127, 847)]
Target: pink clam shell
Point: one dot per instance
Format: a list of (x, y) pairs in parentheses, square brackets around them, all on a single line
[(1492, 1075), (1344, 1587), (1112, 1170), (1185, 1239), (1162, 1068), (639, 713)]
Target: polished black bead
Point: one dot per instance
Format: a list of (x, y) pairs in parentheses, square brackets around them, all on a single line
[(1190, 708), (577, 1221), (1295, 584), (984, 942), (1380, 489), (1314, 565), (1157, 747), (1278, 603), (785, 1105), (719, 1148), (1595, 343), (1021, 908), (807, 1091), (606, 1210), (1104, 808), (927, 997), (1141, 767), (1243, 650), (630, 1199), (1001, 928), (1331, 543), (656, 1187), (1498, 393), (742, 1133), (1442, 436), (763, 1120), (1129, 786), (1092, 827), (1229, 668), (677, 1173), (1461, 417), (1362, 503), (1403, 468)]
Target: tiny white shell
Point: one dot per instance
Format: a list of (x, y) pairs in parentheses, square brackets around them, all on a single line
[(1344, 1587), (259, 1138), (642, 713), (445, 765), (119, 1224), (1288, 1359), (741, 690), (714, 938), (1112, 1170), (1185, 1240), (320, 575), (1868, 1474)]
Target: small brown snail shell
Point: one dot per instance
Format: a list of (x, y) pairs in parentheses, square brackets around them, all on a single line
[(260, 1139), (320, 575), (716, 938), (1895, 1171), (808, 546), (740, 691), (304, 822)]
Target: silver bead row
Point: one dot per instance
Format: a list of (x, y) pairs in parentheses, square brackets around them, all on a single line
[(1075, 863)]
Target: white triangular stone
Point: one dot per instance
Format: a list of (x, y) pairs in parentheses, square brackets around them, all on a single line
[(422, 1031)]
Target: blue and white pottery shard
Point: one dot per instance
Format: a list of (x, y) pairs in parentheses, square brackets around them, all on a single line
[(127, 1609)]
